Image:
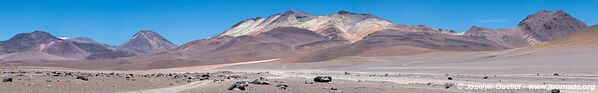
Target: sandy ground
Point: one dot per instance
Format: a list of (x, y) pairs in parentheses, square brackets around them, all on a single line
[(574, 67), (425, 73)]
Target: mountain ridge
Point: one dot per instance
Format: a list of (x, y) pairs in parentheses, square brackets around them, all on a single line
[(295, 36)]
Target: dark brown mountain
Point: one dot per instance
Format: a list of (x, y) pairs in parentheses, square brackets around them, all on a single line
[(548, 25), (585, 38), (147, 42), (536, 28)]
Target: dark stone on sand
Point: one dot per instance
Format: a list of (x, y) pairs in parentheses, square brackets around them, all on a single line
[(323, 79), (82, 78), (282, 86), (205, 75), (259, 82), (7, 79), (333, 88), (240, 85), (448, 85), (555, 91), (307, 82)]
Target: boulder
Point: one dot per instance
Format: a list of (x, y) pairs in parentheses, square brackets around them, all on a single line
[(82, 78), (323, 79), (7, 79), (205, 75), (333, 88), (555, 91), (240, 85), (282, 86), (308, 82), (448, 85), (259, 82)]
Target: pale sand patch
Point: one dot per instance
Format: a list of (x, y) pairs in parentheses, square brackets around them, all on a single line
[(175, 89), (208, 67)]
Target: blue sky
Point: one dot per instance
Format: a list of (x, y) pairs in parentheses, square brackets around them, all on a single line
[(181, 21)]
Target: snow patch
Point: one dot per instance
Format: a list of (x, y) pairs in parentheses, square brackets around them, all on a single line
[(64, 38)]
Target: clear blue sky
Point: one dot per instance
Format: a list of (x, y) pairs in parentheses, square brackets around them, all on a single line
[(181, 21)]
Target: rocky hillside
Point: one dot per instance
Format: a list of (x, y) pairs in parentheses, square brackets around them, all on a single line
[(279, 42), (536, 28), (397, 43), (549, 25), (348, 26), (506, 37), (296, 36), (147, 42), (40, 45)]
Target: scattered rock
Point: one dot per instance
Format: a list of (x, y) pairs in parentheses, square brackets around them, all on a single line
[(448, 85), (205, 75), (240, 85), (323, 79), (7, 79), (259, 82), (217, 80), (307, 82), (333, 88), (282, 86), (201, 79), (555, 91), (82, 78)]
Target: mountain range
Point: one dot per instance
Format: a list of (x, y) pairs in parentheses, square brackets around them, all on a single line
[(39, 45), (295, 36)]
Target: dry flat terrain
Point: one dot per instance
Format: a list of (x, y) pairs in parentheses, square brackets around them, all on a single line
[(567, 67), (424, 73)]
